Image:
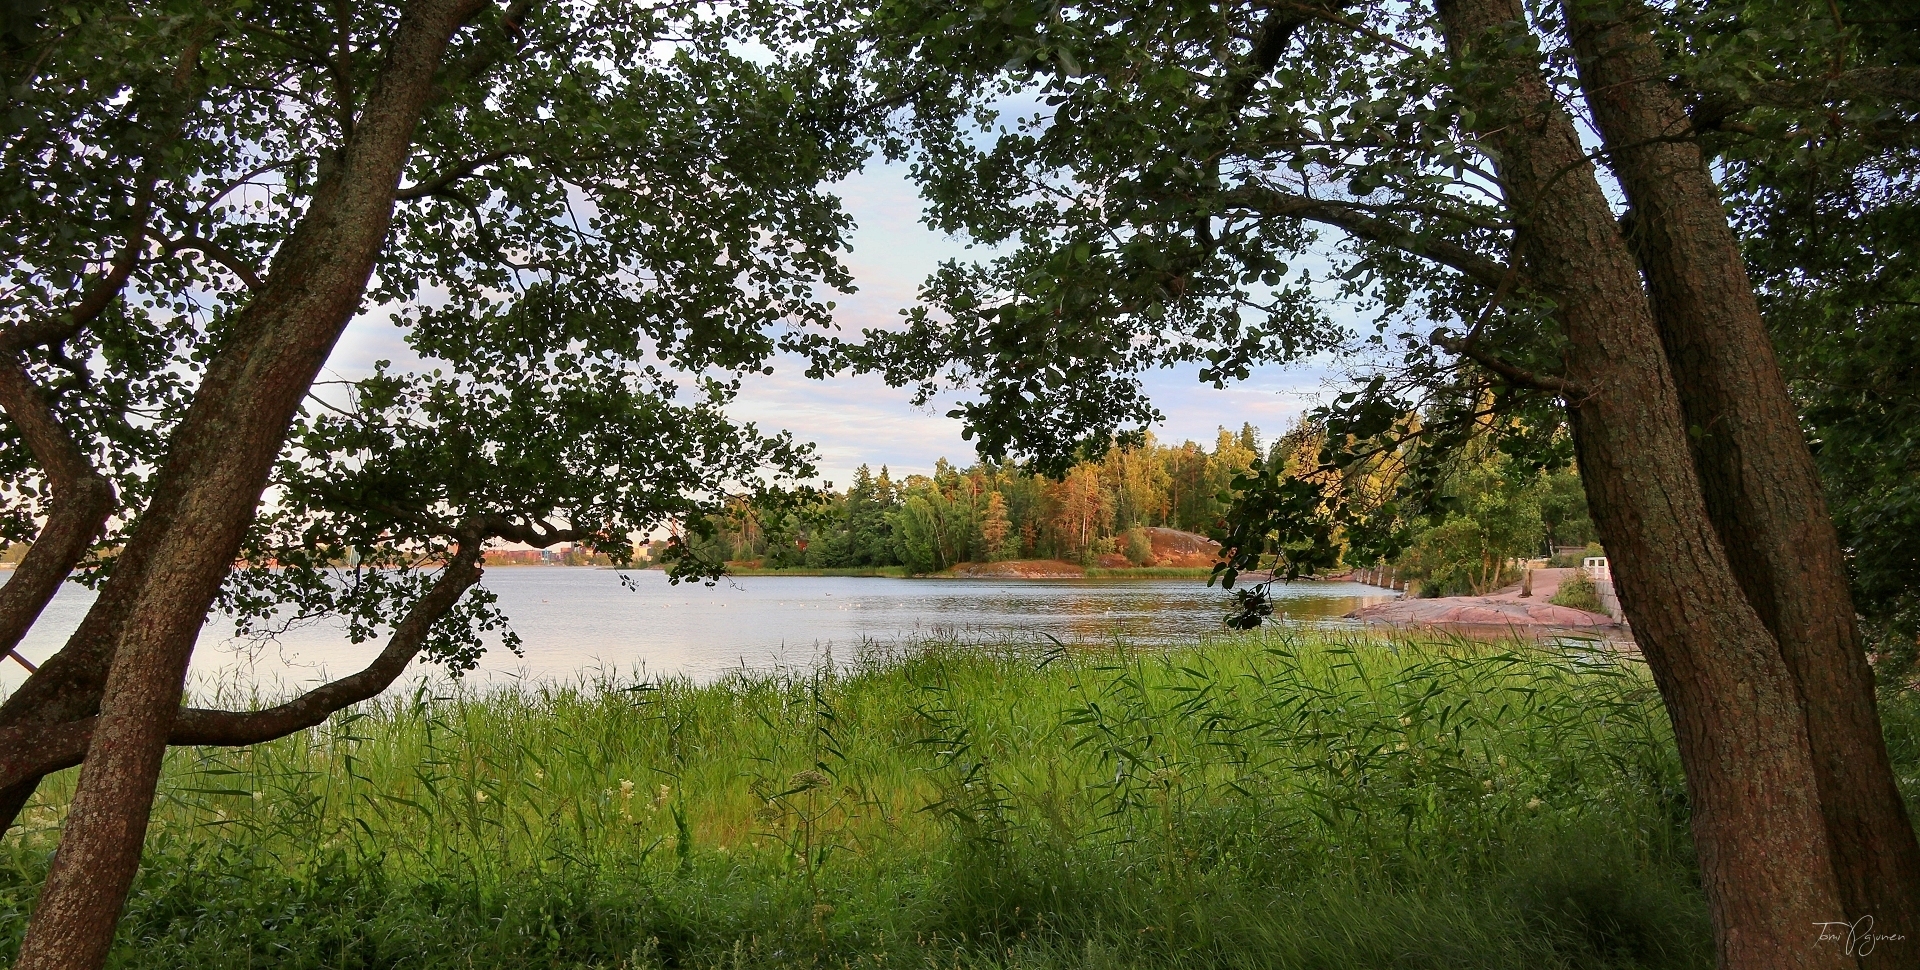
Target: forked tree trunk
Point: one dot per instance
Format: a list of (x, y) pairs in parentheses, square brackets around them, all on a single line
[(208, 489), (34, 750), (67, 686), (1764, 857), (1763, 492)]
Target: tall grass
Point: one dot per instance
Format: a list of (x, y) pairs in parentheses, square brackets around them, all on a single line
[(1271, 801)]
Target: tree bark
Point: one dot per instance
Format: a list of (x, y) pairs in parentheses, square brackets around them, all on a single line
[(1763, 492), (209, 486), (82, 500), (1764, 857), (28, 752)]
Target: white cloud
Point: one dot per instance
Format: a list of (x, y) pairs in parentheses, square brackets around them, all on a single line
[(859, 420)]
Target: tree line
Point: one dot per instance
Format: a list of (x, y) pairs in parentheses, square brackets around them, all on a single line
[(993, 512), (990, 512)]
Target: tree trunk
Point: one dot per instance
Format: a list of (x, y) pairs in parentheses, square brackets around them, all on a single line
[(208, 489), (1762, 490), (1764, 858), (36, 750), (82, 500)]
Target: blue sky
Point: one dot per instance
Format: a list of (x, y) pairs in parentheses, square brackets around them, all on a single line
[(856, 420)]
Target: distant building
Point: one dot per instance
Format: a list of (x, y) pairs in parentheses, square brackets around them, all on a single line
[(514, 557)]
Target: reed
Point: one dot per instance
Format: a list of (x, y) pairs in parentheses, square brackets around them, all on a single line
[(1280, 799)]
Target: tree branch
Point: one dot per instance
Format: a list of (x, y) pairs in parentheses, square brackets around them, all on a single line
[(1275, 33), (538, 534), (488, 51), (1510, 372), (441, 180), (29, 751), (95, 299), (82, 500), (1270, 202), (221, 255)]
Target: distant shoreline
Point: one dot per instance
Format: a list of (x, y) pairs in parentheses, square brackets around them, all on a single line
[(969, 570)]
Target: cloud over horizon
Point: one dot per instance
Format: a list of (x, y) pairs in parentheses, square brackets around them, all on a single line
[(858, 420)]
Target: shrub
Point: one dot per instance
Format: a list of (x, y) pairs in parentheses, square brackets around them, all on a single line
[(1577, 591)]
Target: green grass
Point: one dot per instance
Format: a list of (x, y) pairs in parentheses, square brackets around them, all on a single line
[(1256, 802)]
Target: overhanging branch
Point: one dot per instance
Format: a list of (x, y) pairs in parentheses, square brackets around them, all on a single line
[(29, 751), (221, 255), (1507, 370), (1270, 202), (438, 182)]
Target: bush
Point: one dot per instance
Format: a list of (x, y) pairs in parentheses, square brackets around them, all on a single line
[(1139, 546), (1578, 592)]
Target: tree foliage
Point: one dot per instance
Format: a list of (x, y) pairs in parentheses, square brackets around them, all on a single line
[(608, 216), (991, 511), (1824, 195)]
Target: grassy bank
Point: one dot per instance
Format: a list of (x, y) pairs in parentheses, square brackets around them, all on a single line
[(1251, 803)]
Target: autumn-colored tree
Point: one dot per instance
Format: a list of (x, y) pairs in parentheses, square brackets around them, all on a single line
[(995, 528)]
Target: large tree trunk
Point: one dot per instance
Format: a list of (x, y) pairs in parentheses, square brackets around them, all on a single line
[(208, 489), (1762, 490), (1764, 857)]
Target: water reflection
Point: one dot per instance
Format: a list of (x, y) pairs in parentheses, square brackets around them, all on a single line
[(574, 619)]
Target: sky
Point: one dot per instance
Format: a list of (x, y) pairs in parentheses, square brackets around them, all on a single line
[(860, 420)]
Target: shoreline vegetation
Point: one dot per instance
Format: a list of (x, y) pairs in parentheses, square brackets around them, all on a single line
[(1142, 504), (1279, 798), (1033, 569), (1145, 505)]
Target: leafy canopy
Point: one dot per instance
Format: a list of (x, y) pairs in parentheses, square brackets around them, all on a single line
[(613, 213)]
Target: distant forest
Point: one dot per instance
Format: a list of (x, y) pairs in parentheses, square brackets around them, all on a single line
[(990, 512)]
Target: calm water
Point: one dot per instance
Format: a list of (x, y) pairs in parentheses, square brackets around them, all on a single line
[(581, 619)]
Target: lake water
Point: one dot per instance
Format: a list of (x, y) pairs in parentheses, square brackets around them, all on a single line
[(583, 619)]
